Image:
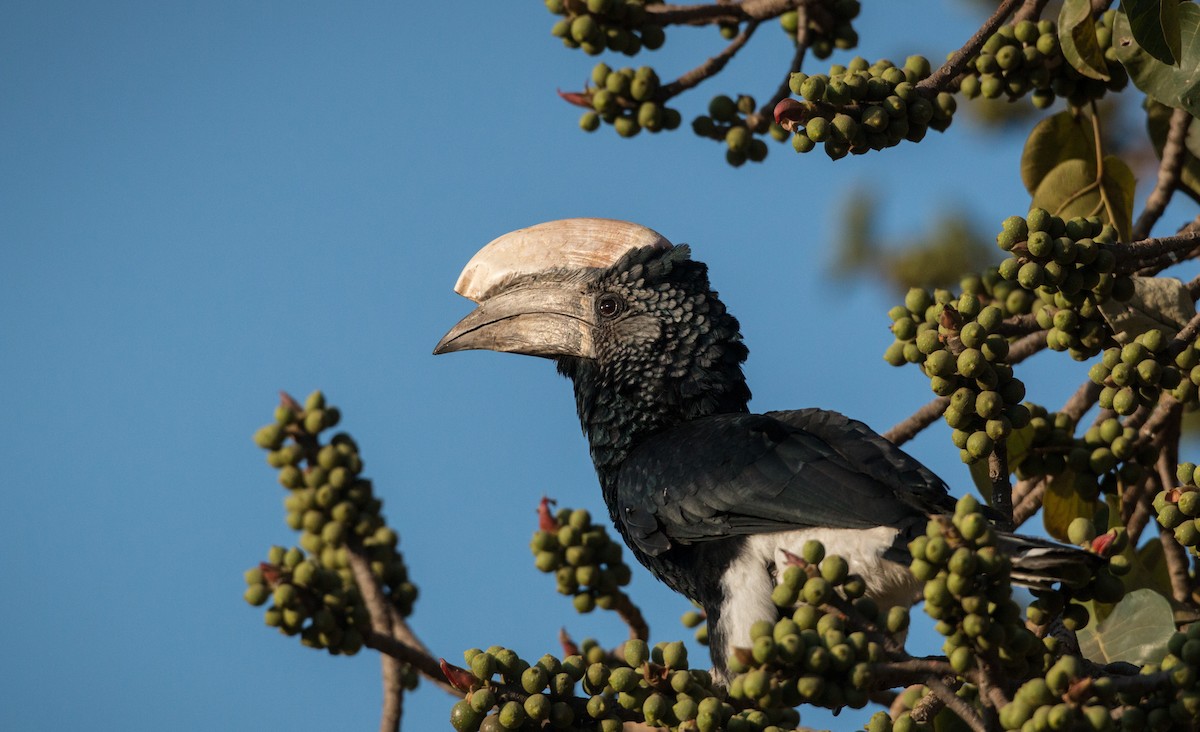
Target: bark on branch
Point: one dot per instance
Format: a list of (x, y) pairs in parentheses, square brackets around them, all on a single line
[(945, 76), (1173, 154)]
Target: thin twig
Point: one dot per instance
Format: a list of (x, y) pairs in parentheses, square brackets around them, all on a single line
[(1175, 557), (1028, 500), (1160, 252), (957, 63), (1173, 154), (709, 67), (766, 112), (1082, 400), (910, 671), (423, 663), (381, 624), (956, 704), (1023, 348), (631, 615), (712, 13), (998, 475), (919, 420), (1031, 10)]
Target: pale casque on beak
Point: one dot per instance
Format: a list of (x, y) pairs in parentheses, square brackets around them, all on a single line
[(531, 297)]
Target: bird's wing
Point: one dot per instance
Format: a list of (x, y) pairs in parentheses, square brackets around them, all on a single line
[(735, 474)]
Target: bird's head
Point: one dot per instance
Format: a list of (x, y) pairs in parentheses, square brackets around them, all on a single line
[(628, 316)]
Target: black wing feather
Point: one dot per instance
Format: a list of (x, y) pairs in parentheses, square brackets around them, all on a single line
[(736, 474)]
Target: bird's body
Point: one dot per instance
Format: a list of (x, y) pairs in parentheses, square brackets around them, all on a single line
[(711, 498)]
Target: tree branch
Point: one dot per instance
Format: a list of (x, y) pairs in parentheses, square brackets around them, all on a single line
[(766, 113), (1082, 400), (948, 72), (1149, 256), (1173, 154), (1176, 560), (712, 13), (381, 624), (920, 419), (423, 663), (1031, 10), (1026, 347), (956, 704), (998, 475), (1028, 498), (709, 67)]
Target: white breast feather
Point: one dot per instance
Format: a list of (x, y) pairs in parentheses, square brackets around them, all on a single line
[(748, 582)]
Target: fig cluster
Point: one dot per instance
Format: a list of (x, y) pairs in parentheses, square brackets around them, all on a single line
[(311, 588), (1178, 508), (968, 591), (816, 652), (586, 562), (1187, 360), (1070, 265), (1069, 697), (593, 690), (626, 99), (1026, 58), (621, 26), (1135, 374), (735, 123), (829, 26), (863, 106), (909, 699), (955, 340), (1107, 455)]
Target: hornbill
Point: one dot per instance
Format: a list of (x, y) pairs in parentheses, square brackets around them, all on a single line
[(712, 499)]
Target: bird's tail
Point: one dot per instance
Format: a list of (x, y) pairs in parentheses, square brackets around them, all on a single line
[(1038, 563)]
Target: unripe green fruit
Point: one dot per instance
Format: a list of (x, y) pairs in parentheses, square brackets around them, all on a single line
[(722, 108), (801, 143), (979, 445), (834, 569), (817, 129), (464, 718), (845, 127), (512, 715), (1189, 503), (1125, 401), (738, 139), (1081, 531), (483, 665), (1030, 275), (636, 652), (1075, 617), (812, 552), (816, 590), (971, 363)]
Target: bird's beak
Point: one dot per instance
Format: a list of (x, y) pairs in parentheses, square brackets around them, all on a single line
[(535, 320), (547, 316)]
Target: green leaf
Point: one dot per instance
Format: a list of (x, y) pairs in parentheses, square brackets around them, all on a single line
[(1155, 27), (1157, 302), (1177, 86), (1149, 569), (1158, 122), (1062, 504), (1077, 36), (1056, 139), (1069, 189), (1136, 631)]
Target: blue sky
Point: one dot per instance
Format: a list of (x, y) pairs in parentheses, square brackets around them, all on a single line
[(202, 204)]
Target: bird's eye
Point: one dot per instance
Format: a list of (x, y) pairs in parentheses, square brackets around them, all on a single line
[(610, 306)]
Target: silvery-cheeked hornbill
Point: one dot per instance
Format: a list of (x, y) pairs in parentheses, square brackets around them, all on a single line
[(710, 497)]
